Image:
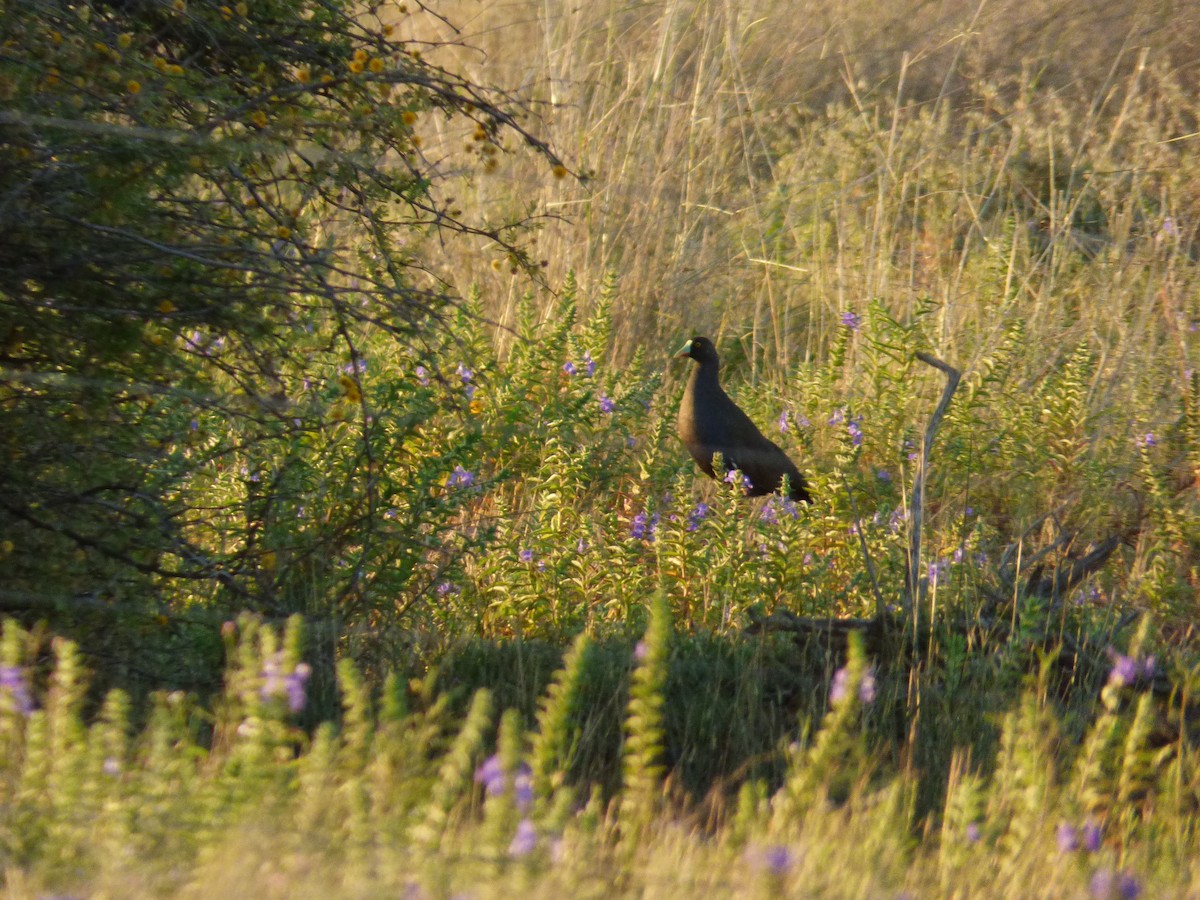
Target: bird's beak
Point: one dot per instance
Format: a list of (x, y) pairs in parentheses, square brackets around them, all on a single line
[(685, 350)]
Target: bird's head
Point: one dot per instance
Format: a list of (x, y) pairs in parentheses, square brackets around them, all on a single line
[(699, 349)]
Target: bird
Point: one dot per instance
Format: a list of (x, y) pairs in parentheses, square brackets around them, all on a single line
[(709, 422)]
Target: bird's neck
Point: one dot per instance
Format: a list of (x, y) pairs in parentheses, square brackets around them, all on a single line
[(705, 379)]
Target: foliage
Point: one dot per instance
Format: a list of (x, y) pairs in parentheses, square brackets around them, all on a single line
[(214, 222), (398, 800)]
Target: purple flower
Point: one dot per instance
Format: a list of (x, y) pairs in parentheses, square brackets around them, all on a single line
[(607, 405), (783, 422), (464, 373), (469, 391), (883, 475), (460, 477), (937, 569), (447, 587), (644, 527), (1109, 885), (569, 367), (581, 547), (491, 775), (355, 367), (1092, 837), (851, 320), (738, 477), (839, 416), (277, 683), (1148, 440), (524, 841), (1125, 670), (589, 364), (523, 788), (526, 555), (867, 688), (294, 686), (696, 516), (1169, 227), (855, 431), (896, 519), (973, 833), (769, 514), (13, 683), (640, 650), (839, 687), (777, 859), (422, 376), (1068, 838)]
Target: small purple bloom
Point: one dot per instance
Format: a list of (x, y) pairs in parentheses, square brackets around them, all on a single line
[(1125, 669), (777, 859), (422, 376), (969, 511), (581, 547), (855, 431), (524, 841), (469, 391), (769, 514), (607, 404), (447, 587), (783, 422), (883, 475), (1092, 837), (867, 688), (640, 650), (569, 367), (1169, 227), (839, 416), (1148, 440), (523, 788), (644, 527), (1109, 885), (12, 682), (464, 373), (460, 477), (973, 833), (696, 516), (526, 555), (589, 364), (294, 686), (839, 687), (277, 683), (491, 775), (1068, 838), (851, 320)]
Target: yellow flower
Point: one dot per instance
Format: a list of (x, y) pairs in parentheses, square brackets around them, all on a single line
[(174, 69), (476, 407), (259, 118), (160, 64), (408, 117), (225, 11), (133, 87), (124, 40), (7, 547), (356, 67), (166, 307), (360, 55), (180, 5), (283, 232), (242, 10), (560, 171), (303, 74), (376, 65)]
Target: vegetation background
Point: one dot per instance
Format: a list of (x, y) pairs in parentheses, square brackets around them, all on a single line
[(346, 541)]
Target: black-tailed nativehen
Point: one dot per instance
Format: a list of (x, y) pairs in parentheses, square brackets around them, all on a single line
[(709, 422)]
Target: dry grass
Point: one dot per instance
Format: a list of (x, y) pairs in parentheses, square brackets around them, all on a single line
[(755, 169)]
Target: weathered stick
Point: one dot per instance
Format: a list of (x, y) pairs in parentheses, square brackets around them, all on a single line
[(916, 584)]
